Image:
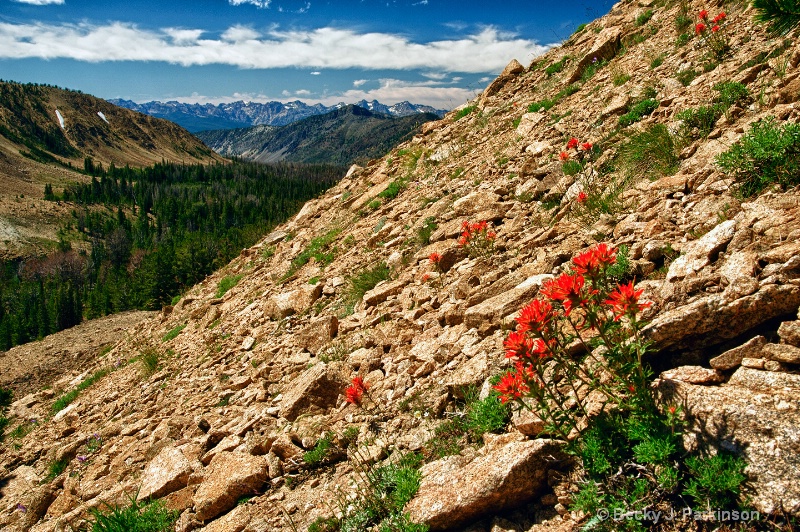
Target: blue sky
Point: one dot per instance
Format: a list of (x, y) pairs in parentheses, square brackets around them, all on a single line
[(435, 52)]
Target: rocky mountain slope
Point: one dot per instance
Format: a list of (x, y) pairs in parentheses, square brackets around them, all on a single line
[(44, 131), (343, 137), (236, 115), (219, 400)]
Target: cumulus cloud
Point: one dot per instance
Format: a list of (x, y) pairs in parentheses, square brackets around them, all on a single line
[(359, 82), (486, 51), (40, 2)]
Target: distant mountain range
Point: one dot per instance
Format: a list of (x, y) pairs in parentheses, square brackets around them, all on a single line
[(343, 136), (196, 117)]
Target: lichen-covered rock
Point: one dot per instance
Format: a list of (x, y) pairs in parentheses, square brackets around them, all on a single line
[(508, 473), (756, 415), (228, 477), (167, 472), (314, 390)]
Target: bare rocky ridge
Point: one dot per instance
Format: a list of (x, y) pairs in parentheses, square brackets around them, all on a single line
[(257, 376)]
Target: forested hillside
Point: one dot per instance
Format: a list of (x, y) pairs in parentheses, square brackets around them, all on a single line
[(350, 135), (141, 236)]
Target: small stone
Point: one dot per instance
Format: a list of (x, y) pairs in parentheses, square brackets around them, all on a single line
[(789, 331), (693, 375), (785, 353), (733, 357)]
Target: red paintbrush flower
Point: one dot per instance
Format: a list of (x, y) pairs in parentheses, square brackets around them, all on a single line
[(435, 258), (518, 345), (624, 301), (715, 29), (703, 14), (535, 316), (700, 28), (719, 17), (563, 156), (586, 146), (573, 142), (582, 197), (511, 386), (567, 289), (355, 391)]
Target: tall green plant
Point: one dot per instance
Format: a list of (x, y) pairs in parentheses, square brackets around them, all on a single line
[(783, 16)]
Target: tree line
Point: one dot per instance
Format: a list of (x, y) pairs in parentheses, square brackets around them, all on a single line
[(148, 233)]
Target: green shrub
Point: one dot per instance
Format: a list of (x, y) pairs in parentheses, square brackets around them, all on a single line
[(768, 153), (731, 93), (571, 167), (652, 153), (394, 188), (364, 281), (686, 76), (426, 230), (683, 39), (479, 416), (620, 79), (320, 452), (716, 480), (173, 333), (580, 28), (698, 123), (638, 111), (55, 468), (783, 16), (135, 517), (644, 18), (226, 283), (657, 61), (320, 249), (592, 68), (64, 400), (6, 397), (464, 112), (150, 359), (556, 67), (4, 421)]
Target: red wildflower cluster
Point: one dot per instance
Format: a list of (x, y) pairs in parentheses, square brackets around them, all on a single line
[(542, 326), (582, 197), (511, 386), (573, 143), (435, 258), (592, 262), (624, 301), (564, 156), (355, 391), (478, 237), (701, 27)]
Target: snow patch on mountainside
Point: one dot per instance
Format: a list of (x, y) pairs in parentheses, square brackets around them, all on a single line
[(60, 119)]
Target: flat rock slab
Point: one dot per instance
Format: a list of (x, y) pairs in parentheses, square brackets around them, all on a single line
[(228, 477), (169, 471), (452, 494), (313, 391), (756, 415)]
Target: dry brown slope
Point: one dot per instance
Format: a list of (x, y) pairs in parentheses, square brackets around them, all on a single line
[(256, 376), (28, 224)]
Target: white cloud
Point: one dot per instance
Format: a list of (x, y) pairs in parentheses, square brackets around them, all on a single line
[(316, 73), (359, 82), (487, 51), (390, 91), (40, 2), (258, 3)]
